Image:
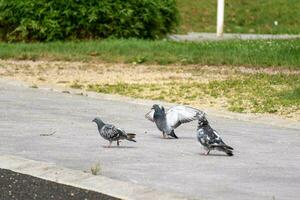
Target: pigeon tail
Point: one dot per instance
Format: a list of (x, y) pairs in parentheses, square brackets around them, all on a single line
[(130, 137), (229, 152), (228, 147), (225, 148), (172, 134)]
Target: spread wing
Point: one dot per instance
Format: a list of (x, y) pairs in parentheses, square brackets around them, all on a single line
[(178, 115), (150, 115)]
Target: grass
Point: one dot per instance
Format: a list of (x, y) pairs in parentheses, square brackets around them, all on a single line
[(256, 93), (181, 79), (96, 169), (255, 16), (76, 85), (34, 86), (259, 93), (235, 53), (238, 89)]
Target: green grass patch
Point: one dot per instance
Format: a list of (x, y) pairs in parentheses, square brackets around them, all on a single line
[(237, 53), (257, 93), (255, 16)]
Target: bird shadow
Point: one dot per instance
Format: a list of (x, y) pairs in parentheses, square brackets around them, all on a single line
[(214, 155), (186, 138), (119, 147), (170, 138)]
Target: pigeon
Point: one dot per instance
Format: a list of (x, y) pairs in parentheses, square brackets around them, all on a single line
[(111, 133), (166, 122), (210, 139)]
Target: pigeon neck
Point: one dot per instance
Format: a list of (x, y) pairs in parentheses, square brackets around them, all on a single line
[(159, 115), (100, 125)]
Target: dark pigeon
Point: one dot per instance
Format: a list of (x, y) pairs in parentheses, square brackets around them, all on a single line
[(166, 122), (111, 133), (210, 139)]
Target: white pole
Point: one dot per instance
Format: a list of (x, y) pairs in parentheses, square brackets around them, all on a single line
[(220, 18)]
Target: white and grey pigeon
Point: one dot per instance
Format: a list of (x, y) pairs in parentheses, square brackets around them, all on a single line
[(111, 133), (210, 139), (166, 122)]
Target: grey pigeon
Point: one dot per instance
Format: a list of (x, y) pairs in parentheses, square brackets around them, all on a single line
[(210, 139), (166, 122), (111, 133)]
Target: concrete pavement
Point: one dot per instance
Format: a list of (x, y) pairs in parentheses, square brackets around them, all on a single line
[(192, 36), (83, 185), (266, 164)]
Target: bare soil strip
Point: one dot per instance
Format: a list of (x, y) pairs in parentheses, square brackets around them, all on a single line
[(149, 81)]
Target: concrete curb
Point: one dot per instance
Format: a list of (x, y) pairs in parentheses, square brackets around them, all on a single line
[(75, 178), (196, 37), (263, 119)]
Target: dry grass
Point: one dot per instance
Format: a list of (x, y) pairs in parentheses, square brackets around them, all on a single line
[(239, 89), (96, 169), (66, 73)]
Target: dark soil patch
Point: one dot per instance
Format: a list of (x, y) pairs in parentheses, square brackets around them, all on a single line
[(18, 186)]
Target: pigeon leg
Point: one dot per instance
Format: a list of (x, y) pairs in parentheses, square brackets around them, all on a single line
[(118, 142), (164, 135), (207, 152), (108, 146)]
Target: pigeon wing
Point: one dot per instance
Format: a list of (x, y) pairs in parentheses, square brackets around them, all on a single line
[(216, 140), (178, 115), (110, 132), (127, 136), (150, 115), (122, 133)]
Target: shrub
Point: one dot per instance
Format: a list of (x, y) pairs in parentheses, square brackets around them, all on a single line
[(47, 20)]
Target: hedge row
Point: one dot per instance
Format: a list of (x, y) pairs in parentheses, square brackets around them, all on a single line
[(47, 20)]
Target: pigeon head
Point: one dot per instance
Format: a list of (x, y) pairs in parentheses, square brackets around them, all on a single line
[(202, 121), (159, 112), (98, 121), (158, 108)]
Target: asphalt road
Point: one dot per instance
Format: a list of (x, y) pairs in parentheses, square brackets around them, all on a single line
[(16, 186), (266, 164)]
